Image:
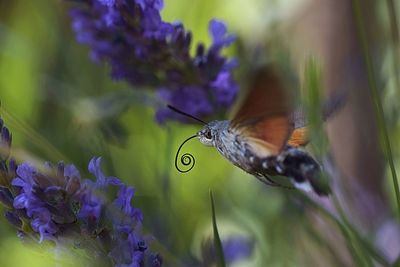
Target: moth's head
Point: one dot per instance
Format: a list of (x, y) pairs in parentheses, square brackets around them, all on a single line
[(208, 134)]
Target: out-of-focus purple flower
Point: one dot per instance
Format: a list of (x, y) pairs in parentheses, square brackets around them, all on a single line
[(145, 51), (236, 248), (222, 88), (192, 100)]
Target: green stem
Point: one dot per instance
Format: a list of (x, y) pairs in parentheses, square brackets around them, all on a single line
[(357, 239), (348, 231), (376, 97), (393, 22), (366, 246), (217, 241), (395, 41)]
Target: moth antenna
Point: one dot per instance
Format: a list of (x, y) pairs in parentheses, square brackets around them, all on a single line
[(187, 159), (185, 114)]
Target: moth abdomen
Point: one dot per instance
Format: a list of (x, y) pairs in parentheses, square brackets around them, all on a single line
[(303, 169)]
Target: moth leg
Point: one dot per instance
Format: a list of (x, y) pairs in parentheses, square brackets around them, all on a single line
[(270, 182), (267, 181)]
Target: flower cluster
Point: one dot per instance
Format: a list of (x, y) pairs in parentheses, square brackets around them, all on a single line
[(55, 202), (146, 51)]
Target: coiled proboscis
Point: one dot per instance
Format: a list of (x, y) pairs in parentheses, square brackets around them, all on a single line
[(187, 159)]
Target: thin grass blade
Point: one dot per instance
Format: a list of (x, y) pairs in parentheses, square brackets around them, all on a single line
[(217, 241)]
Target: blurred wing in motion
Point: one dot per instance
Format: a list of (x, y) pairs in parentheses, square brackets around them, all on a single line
[(264, 117), (300, 134)]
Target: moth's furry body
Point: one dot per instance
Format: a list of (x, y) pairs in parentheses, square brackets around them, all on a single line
[(291, 162)]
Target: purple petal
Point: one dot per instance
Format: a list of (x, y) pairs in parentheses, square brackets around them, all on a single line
[(71, 171), (107, 2), (19, 201), (217, 30), (18, 182), (26, 171), (237, 248)]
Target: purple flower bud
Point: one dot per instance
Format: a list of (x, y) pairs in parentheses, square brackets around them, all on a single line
[(155, 260), (13, 218), (6, 136), (6, 197), (12, 167), (5, 142)]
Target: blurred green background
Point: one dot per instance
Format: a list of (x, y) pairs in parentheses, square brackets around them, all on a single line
[(61, 106)]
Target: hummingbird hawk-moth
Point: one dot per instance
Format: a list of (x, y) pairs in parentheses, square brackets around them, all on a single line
[(265, 137)]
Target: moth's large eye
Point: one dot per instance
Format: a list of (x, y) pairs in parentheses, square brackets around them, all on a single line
[(207, 134)]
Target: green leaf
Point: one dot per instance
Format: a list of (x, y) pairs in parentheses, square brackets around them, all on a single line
[(373, 86), (217, 241)]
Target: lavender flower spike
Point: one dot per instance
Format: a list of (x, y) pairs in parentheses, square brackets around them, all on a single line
[(56, 204), (144, 50)]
